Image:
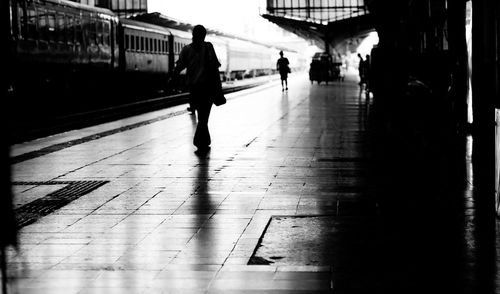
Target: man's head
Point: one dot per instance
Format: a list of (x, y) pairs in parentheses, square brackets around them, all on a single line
[(199, 33), (281, 53)]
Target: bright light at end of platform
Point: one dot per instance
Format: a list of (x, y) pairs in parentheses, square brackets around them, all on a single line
[(239, 17), (367, 44)]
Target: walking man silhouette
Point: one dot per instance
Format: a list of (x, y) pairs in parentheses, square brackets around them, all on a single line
[(282, 65), (201, 62)]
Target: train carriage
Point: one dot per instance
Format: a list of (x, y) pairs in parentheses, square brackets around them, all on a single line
[(62, 32), (56, 45), (80, 57), (221, 47), (143, 47)]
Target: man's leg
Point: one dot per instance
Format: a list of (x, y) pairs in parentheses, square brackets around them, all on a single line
[(202, 138), (191, 107)]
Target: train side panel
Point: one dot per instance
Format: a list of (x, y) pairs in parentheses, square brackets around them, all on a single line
[(179, 40), (145, 49), (58, 49), (221, 47), (60, 32)]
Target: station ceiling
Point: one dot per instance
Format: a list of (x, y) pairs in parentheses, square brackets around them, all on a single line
[(335, 34)]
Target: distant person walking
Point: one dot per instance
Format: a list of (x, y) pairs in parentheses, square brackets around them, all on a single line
[(361, 69), (203, 82), (366, 71), (283, 67)]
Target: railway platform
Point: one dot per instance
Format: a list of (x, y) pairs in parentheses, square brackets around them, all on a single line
[(284, 202)]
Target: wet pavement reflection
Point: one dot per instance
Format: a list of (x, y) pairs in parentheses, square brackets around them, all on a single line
[(293, 197)]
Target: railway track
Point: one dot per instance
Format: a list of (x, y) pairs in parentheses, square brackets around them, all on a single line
[(30, 130)]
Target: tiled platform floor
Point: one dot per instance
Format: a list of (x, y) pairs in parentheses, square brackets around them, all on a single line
[(169, 221)]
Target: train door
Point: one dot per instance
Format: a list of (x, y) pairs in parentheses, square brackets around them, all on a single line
[(115, 52), (171, 53)]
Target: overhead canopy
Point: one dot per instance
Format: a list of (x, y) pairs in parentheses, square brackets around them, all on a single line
[(329, 24)]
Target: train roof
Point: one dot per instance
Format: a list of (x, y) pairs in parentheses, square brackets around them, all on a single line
[(144, 26), (180, 33), (79, 6)]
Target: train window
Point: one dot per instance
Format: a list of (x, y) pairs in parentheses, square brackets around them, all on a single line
[(155, 45), (151, 45), (99, 35), (106, 39), (121, 5), (127, 42), (17, 28), (137, 43), (21, 23), (88, 31), (61, 30), (106, 33), (31, 22), (93, 31), (70, 29), (78, 30), (142, 44), (42, 24), (51, 26)]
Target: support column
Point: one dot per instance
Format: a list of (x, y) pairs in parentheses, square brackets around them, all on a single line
[(484, 83)]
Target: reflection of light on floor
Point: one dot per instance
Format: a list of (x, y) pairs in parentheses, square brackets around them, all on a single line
[(468, 160), (469, 103), (497, 159)]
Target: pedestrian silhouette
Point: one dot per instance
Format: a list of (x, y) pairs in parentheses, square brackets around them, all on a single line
[(361, 70), (282, 65), (366, 72), (203, 82)]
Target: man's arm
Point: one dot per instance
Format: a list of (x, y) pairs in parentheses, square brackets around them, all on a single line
[(180, 65)]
